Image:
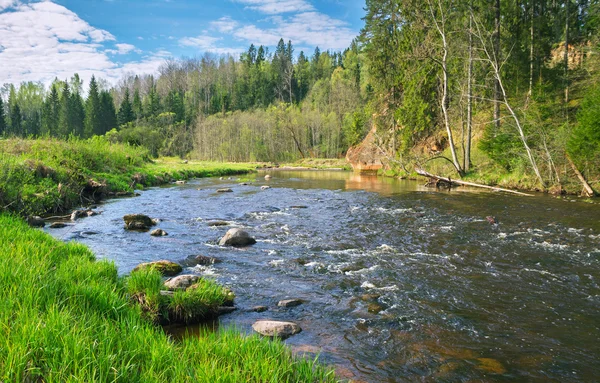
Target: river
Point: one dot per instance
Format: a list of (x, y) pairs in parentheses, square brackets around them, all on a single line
[(402, 283)]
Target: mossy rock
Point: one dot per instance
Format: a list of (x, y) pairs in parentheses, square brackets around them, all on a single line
[(165, 268)]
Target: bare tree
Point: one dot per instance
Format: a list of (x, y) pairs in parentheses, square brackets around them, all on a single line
[(496, 66)]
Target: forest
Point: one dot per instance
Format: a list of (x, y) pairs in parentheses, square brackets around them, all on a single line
[(487, 89)]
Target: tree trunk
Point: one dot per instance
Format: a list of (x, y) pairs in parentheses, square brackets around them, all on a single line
[(566, 58), (467, 158), (588, 191), (444, 63), (497, 60), (531, 50)]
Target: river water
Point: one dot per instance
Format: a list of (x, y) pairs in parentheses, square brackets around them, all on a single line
[(402, 283)]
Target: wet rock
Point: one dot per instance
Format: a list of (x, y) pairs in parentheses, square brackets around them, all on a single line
[(375, 308), (492, 220), (181, 282), (264, 187), (281, 330), (138, 222), (57, 225), (76, 214), (290, 302), (36, 221), (166, 268), (159, 233), (244, 184), (224, 190), (237, 238), (225, 310), (202, 260), (370, 297), (259, 309), (298, 207), (218, 223)]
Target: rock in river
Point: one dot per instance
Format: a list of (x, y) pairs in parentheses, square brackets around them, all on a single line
[(57, 225), (166, 268), (159, 233), (139, 222), (35, 221), (224, 190), (276, 329), (181, 282), (237, 237), (290, 302)]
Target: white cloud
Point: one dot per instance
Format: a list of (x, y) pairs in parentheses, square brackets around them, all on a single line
[(273, 7), (224, 24), (123, 49), (203, 42), (309, 28), (43, 40)]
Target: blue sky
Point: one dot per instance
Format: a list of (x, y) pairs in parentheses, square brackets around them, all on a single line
[(41, 40)]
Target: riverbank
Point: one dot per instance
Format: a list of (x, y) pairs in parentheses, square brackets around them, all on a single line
[(66, 316), (49, 176)]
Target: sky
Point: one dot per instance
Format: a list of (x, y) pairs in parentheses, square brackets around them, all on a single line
[(42, 40)]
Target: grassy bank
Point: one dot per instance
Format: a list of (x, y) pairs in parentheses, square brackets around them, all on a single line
[(66, 317), (48, 176)]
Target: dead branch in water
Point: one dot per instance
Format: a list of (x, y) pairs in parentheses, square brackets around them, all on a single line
[(424, 173)]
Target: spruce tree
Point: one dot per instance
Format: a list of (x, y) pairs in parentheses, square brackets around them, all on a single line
[(15, 121), (125, 115), (51, 113), (138, 110), (108, 115), (64, 121), (93, 124), (2, 118)]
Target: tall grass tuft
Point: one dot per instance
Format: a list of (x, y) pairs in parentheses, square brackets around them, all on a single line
[(65, 317)]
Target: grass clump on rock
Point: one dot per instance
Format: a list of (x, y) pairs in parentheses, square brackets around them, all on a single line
[(66, 317)]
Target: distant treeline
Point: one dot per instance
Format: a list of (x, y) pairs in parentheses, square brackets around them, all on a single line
[(167, 113)]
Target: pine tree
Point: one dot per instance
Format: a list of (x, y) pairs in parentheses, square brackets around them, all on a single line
[(2, 118), (50, 113), (108, 115), (138, 110), (93, 124), (65, 126), (77, 114), (125, 114), (15, 121)]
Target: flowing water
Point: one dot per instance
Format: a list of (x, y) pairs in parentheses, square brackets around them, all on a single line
[(402, 283)]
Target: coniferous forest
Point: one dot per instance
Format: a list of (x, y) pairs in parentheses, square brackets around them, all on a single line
[(477, 88)]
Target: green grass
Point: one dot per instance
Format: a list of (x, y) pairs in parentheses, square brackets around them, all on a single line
[(65, 317), (48, 175)]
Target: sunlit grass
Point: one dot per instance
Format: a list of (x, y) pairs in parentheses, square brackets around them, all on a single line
[(66, 317), (49, 175)]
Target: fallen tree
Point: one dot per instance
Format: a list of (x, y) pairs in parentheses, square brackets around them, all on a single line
[(450, 181)]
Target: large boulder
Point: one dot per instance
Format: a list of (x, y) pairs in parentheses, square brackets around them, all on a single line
[(181, 282), (281, 330), (138, 222), (237, 237), (166, 268)]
